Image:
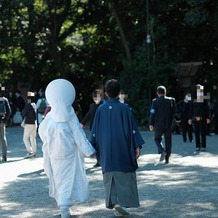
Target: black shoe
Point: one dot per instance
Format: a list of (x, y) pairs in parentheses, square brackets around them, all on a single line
[(4, 159), (162, 156), (197, 149), (166, 160), (97, 165), (203, 149)]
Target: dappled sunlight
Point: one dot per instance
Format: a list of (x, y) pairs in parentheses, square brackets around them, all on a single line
[(148, 203), (26, 195), (196, 159), (186, 187), (5, 204), (162, 178), (203, 205), (24, 166), (200, 160), (181, 172), (196, 208), (90, 207), (190, 180)]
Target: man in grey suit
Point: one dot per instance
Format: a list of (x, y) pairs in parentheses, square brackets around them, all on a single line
[(161, 117)]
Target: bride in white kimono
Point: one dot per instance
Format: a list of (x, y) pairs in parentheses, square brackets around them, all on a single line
[(64, 147)]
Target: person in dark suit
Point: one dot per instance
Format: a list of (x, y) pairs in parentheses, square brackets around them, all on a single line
[(199, 115), (183, 107), (118, 143), (97, 101), (215, 115), (20, 103), (4, 116), (161, 117), (89, 117)]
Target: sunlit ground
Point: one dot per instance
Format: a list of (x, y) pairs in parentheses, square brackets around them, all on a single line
[(186, 187)]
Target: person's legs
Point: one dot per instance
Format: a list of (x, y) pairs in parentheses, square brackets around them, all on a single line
[(64, 212), (110, 191), (121, 191), (158, 140), (203, 133), (168, 143), (197, 135), (33, 139), (26, 138), (190, 136), (3, 141), (184, 131), (159, 144), (216, 123)]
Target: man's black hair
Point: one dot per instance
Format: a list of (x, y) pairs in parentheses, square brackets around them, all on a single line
[(112, 87), (161, 90)]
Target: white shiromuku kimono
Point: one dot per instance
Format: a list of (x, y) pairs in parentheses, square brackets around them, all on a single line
[(64, 146)]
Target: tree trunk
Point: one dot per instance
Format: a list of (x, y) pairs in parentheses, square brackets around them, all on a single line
[(122, 34)]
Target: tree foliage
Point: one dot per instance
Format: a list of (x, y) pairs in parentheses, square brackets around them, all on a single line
[(90, 41)]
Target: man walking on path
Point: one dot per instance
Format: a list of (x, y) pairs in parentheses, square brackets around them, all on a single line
[(161, 117), (5, 112), (117, 141)]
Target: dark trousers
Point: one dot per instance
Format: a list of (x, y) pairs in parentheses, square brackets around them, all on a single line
[(3, 139), (216, 124), (186, 128), (200, 133), (167, 133)]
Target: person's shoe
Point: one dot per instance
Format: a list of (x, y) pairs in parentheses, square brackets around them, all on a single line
[(4, 159), (162, 156), (203, 149), (65, 212), (97, 165), (167, 161), (197, 149), (121, 210), (29, 155)]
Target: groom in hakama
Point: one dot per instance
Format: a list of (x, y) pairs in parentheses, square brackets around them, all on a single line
[(118, 142)]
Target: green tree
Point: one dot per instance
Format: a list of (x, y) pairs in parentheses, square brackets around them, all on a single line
[(90, 41)]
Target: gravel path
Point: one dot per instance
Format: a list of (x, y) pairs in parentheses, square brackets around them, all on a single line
[(187, 187)]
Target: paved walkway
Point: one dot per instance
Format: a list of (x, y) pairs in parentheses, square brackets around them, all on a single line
[(187, 187)]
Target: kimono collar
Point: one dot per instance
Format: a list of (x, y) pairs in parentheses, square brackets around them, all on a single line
[(112, 100)]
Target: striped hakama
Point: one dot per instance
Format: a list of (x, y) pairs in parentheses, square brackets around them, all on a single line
[(120, 188)]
